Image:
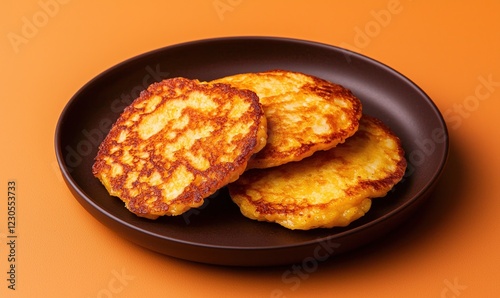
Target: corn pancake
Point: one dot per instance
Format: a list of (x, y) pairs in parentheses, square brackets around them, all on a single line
[(330, 188), (304, 114), (178, 143)]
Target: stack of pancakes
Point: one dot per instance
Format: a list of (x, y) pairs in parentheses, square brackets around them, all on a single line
[(292, 148)]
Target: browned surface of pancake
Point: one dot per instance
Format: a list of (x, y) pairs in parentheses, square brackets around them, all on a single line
[(304, 114), (330, 188), (178, 143)]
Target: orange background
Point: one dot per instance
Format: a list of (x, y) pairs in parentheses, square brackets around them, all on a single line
[(50, 48)]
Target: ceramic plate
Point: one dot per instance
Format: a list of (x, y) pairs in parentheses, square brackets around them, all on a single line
[(217, 233)]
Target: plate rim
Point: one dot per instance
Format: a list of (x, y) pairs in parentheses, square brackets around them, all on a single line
[(70, 181)]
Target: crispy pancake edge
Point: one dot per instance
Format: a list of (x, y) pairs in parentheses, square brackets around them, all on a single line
[(271, 155), (193, 196), (293, 216)]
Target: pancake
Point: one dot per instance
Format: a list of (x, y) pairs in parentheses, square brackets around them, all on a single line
[(330, 188), (304, 114), (178, 143)]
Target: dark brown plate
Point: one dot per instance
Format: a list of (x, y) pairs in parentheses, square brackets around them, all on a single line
[(217, 233)]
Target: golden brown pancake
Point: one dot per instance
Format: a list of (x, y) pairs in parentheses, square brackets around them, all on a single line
[(178, 143), (304, 114), (330, 188)]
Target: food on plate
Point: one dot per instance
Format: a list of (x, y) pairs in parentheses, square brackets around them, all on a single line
[(179, 142), (292, 149), (330, 188), (304, 114)]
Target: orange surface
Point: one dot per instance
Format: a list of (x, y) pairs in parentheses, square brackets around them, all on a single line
[(50, 48)]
